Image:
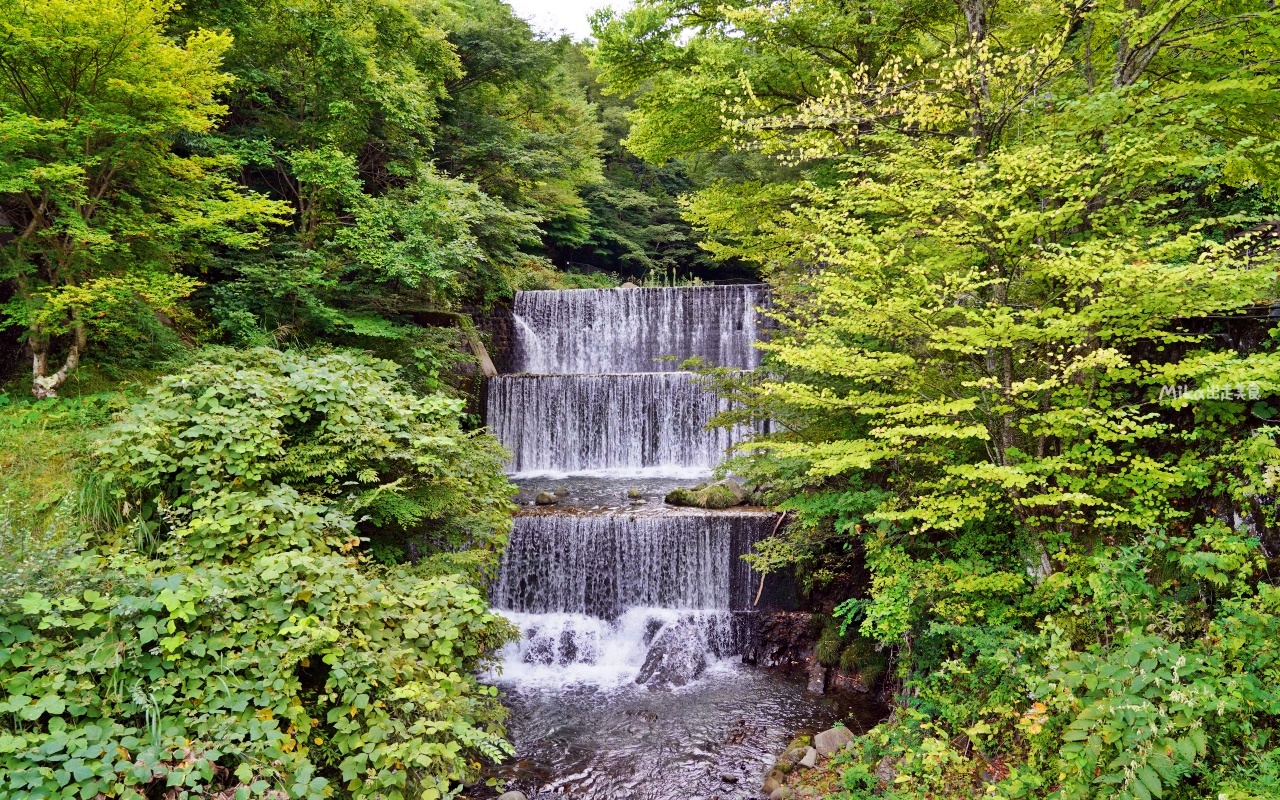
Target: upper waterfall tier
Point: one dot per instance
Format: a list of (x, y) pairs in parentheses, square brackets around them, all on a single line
[(649, 423), (633, 330)]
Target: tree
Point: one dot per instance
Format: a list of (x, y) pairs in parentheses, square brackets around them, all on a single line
[(517, 123), (100, 205)]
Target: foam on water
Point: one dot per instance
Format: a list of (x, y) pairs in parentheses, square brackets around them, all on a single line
[(559, 650)]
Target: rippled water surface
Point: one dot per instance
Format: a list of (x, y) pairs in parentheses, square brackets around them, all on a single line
[(715, 738)]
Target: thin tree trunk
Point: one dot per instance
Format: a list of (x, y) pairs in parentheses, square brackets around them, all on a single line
[(44, 385)]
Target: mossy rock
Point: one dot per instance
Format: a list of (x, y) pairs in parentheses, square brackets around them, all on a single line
[(721, 494), (682, 497)]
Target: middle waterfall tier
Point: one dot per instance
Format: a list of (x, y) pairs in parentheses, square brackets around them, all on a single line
[(642, 423)]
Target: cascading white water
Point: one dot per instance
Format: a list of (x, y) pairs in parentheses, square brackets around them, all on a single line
[(559, 649), (593, 331), (604, 564), (621, 596), (648, 423)]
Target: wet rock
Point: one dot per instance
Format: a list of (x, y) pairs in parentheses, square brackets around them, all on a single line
[(773, 782), (725, 494), (782, 637), (676, 657), (817, 677), (546, 499), (562, 491), (727, 778), (794, 752), (782, 793), (847, 681), (829, 741), (758, 494), (635, 494), (512, 796), (810, 758), (740, 731)]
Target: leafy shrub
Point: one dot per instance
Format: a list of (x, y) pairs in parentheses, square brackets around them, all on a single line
[(232, 634)]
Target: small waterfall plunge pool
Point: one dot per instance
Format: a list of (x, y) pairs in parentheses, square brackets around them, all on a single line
[(713, 738)]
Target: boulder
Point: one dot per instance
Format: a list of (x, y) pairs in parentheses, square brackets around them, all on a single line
[(886, 771), (724, 494), (782, 793), (721, 494), (810, 758), (676, 657), (562, 491), (512, 796), (546, 499), (628, 285), (794, 752), (682, 497), (829, 741), (772, 782), (635, 494), (758, 494)]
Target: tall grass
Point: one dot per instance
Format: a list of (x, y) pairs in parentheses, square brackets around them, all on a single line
[(49, 502)]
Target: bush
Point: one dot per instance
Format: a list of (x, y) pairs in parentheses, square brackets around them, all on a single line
[(234, 634)]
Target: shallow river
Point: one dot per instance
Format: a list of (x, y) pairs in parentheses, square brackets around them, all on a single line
[(713, 739)]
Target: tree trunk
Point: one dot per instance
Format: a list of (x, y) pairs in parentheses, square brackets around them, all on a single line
[(44, 385)]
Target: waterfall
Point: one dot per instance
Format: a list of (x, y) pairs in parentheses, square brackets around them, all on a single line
[(636, 330), (604, 564), (622, 595), (632, 424)]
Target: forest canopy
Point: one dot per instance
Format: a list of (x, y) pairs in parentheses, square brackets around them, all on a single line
[(255, 173)]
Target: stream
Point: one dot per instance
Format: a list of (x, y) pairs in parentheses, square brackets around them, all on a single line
[(715, 738)]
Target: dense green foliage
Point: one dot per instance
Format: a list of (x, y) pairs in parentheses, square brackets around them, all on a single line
[(228, 623), (261, 173), (1025, 370), (101, 207)]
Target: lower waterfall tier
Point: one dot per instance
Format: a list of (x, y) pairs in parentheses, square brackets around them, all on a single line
[(603, 564), (636, 423)]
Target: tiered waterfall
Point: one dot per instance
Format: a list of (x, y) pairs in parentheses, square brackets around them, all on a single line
[(628, 591)]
